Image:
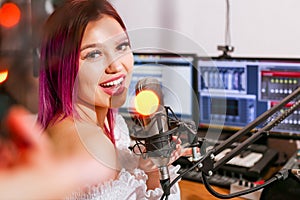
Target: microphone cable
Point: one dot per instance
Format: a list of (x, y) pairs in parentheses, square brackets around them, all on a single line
[(281, 175)]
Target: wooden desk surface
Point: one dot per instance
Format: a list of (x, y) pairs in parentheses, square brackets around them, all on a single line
[(196, 191)]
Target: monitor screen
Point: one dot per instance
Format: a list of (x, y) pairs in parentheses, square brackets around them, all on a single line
[(175, 73), (233, 92)]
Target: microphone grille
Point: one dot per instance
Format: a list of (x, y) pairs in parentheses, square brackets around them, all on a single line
[(150, 84)]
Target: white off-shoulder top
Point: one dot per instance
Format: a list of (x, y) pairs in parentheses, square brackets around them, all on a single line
[(131, 181)]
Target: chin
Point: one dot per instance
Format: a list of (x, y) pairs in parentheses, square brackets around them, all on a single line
[(118, 100)]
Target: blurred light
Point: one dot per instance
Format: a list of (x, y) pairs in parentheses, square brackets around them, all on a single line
[(10, 15), (49, 7), (146, 102), (3, 75)]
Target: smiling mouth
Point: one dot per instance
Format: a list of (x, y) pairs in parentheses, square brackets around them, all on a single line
[(112, 83)]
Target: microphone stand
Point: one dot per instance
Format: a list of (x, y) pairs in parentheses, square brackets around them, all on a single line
[(207, 166), (261, 132)]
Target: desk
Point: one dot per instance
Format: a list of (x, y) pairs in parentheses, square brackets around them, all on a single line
[(196, 191)]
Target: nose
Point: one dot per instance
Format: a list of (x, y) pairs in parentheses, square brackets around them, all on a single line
[(114, 67)]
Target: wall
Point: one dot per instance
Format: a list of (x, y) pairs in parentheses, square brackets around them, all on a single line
[(263, 28)]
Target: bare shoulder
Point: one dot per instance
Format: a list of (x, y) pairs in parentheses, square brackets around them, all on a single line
[(75, 135), (64, 136), (62, 128), (75, 138)]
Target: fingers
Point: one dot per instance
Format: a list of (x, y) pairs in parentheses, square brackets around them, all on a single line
[(27, 145), (18, 126), (175, 154), (8, 154), (176, 139), (189, 151), (23, 129)]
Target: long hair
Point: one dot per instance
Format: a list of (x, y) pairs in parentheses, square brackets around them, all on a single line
[(60, 50)]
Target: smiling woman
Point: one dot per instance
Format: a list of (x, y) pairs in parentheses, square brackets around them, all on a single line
[(86, 66)]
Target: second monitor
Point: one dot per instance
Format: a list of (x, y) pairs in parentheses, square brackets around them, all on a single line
[(235, 91)]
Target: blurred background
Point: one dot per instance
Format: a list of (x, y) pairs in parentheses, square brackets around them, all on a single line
[(21, 23), (252, 28), (258, 28)]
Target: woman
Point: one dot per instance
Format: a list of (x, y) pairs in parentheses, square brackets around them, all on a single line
[(86, 65)]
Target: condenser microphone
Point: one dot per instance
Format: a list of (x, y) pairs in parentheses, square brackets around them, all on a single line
[(152, 130), (157, 129)]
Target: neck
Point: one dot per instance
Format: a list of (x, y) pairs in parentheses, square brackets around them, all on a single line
[(91, 113)]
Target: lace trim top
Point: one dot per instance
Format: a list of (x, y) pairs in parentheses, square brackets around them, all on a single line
[(131, 181)]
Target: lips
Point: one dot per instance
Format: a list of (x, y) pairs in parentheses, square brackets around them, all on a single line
[(114, 86), (112, 83)]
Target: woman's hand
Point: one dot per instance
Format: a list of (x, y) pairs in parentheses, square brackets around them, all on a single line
[(148, 165), (30, 166), (178, 152)]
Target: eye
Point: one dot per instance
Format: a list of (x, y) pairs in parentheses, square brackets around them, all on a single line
[(93, 55), (123, 46)]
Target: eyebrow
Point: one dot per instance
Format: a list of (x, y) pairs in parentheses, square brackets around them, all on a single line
[(93, 45)]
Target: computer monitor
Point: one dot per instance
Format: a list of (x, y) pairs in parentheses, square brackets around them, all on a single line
[(234, 91), (175, 73)]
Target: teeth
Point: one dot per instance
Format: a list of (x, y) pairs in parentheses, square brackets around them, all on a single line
[(112, 83)]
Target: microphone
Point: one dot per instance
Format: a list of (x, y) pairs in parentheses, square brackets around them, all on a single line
[(153, 130), (157, 129)]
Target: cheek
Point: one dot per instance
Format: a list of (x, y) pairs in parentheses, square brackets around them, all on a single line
[(88, 79), (128, 62), (90, 73), (86, 89)]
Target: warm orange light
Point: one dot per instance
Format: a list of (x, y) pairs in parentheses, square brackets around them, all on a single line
[(3, 75), (146, 102), (10, 15)]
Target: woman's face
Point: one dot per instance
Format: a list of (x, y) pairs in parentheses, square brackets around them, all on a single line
[(105, 64)]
